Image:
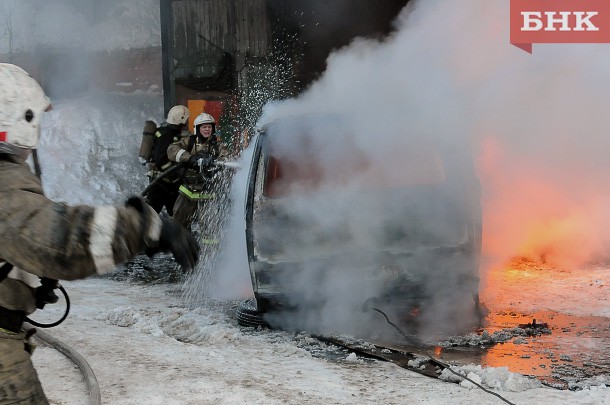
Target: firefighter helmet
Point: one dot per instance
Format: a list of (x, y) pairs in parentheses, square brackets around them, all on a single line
[(204, 118), (22, 102), (178, 115)]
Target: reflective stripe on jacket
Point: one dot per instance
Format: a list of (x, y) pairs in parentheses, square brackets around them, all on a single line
[(51, 239), (194, 195)]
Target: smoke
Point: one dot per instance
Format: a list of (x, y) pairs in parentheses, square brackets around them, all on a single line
[(535, 124), (355, 229), (36, 26)]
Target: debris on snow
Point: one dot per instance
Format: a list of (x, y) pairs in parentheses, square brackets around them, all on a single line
[(491, 377)]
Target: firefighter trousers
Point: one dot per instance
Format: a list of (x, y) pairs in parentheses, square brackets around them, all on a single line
[(19, 382)]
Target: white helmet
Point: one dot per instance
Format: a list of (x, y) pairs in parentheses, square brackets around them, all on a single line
[(204, 118), (178, 115), (22, 102)]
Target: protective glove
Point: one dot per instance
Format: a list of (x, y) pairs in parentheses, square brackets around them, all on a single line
[(206, 160), (210, 171), (202, 160), (193, 162), (176, 239)]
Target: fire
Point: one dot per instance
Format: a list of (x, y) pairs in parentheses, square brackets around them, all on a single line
[(528, 211), (519, 358)]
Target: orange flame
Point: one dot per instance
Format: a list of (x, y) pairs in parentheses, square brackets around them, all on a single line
[(530, 212)]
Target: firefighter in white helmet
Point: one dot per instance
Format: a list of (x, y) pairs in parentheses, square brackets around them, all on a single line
[(46, 239), (165, 192), (198, 151)]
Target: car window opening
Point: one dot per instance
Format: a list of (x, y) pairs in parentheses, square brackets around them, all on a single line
[(416, 166)]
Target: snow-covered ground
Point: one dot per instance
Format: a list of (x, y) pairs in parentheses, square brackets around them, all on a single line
[(146, 347)]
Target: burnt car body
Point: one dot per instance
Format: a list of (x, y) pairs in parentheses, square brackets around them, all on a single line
[(326, 223)]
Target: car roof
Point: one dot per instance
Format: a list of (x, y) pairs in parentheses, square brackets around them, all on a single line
[(301, 119)]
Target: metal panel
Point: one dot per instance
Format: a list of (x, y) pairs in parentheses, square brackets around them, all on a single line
[(204, 35), (253, 31), (207, 42)]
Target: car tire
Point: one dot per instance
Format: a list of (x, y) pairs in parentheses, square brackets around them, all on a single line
[(248, 315)]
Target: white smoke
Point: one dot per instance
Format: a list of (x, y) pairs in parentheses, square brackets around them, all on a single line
[(389, 97), (35, 26), (536, 124)]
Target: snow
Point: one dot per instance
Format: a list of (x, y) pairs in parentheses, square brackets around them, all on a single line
[(145, 346), (581, 291), (89, 147), (149, 344)]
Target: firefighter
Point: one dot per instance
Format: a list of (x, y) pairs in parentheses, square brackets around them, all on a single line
[(165, 192), (47, 239), (198, 151)]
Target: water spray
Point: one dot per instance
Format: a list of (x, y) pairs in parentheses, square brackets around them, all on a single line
[(227, 164)]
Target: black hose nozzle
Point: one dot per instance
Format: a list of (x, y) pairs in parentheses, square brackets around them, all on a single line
[(45, 294)]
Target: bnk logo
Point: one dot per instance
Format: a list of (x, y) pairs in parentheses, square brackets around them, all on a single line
[(558, 21)]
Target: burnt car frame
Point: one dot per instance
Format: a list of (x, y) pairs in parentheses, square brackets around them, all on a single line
[(408, 238)]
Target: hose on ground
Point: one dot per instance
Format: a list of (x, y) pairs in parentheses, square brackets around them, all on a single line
[(93, 387), (445, 366)]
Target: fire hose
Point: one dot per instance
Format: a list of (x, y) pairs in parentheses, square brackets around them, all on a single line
[(44, 297), (93, 387), (177, 167), (369, 306)]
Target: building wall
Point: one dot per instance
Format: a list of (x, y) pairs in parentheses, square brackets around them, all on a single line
[(210, 46), (201, 31)]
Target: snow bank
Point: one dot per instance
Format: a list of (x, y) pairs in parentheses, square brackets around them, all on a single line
[(499, 378)]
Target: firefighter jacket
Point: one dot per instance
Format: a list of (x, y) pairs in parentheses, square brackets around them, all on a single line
[(43, 238), (191, 145)]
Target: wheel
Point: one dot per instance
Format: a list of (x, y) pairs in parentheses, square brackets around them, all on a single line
[(248, 315)]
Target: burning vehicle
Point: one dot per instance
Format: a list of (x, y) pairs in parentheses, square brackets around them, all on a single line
[(334, 225)]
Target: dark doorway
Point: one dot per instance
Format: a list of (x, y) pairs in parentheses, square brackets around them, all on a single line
[(312, 29)]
